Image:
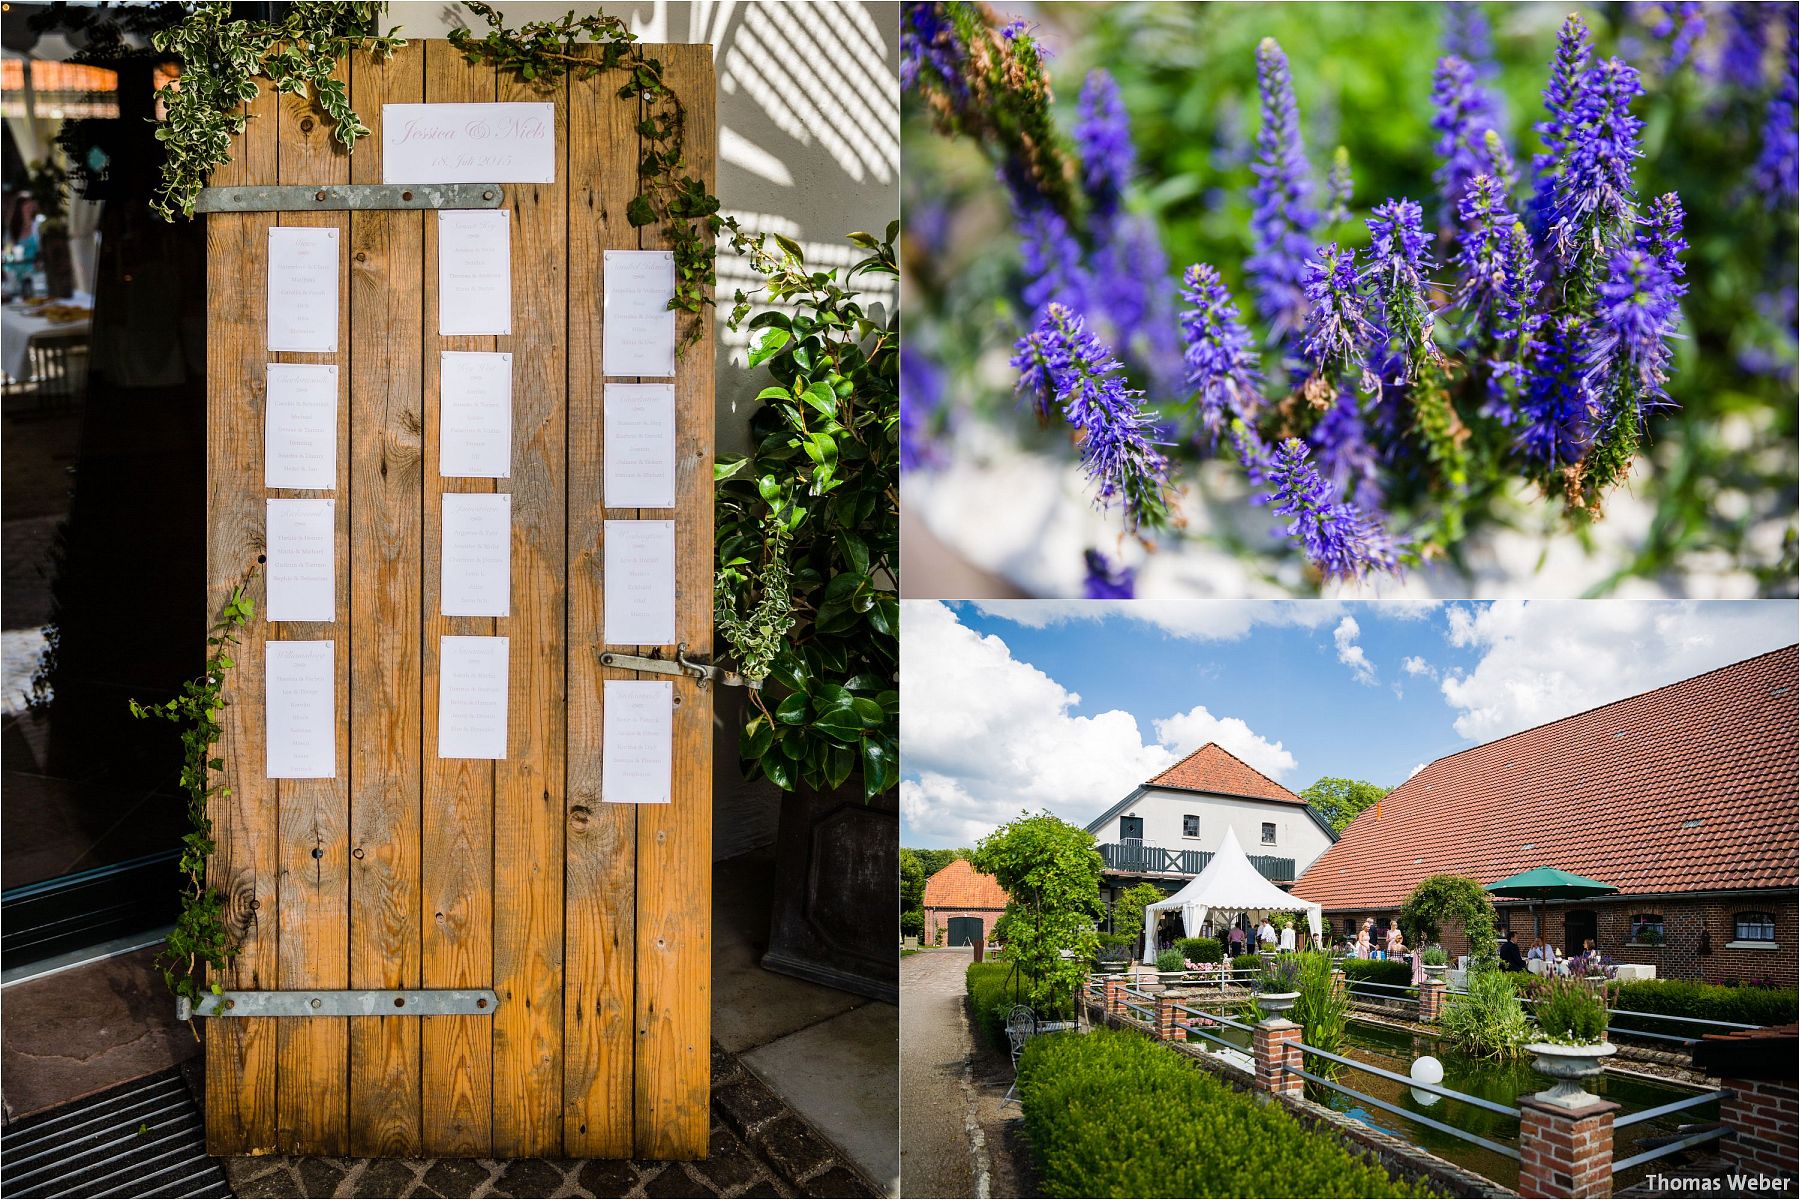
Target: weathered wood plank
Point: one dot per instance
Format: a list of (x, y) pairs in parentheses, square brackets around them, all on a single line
[(458, 836), (313, 849), (600, 904), (240, 1055), (529, 784), (674, 931), (385, 252)]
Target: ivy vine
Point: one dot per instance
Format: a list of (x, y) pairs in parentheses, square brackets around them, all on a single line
[(223, 58), (200, 935)]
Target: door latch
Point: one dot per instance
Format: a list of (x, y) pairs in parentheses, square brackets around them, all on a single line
[(703, 672)]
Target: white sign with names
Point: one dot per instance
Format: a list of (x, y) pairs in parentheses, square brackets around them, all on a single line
[(640, 445), (636, 323), (637, 753), (640, 583), (300, 426), (298, 698), (303, 289), (468, 143)]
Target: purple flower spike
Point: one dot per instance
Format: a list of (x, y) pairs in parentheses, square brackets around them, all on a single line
[(1338, 538), (1494, 259), (1682, 23), (1103, 136), (1062, 364), (1466, 36), (1594, 202), (1775, 171), (1052, 257), (1396, 276), (921, 395), (1282, 224), (1555, 421), (1221, 360), (1740, 62), (1573, 51), (1108, 582), (1337, 332), (1463, 119), (1338, 187), (927, 43)]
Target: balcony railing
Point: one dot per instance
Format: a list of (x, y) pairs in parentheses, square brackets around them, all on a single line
[(1132, 855)]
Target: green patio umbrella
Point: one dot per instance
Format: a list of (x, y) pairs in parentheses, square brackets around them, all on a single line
[(1548, 883)]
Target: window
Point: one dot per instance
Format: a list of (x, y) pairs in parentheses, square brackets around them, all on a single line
[(1268, 833), (1753, 927), (1190, 825), (1350, 926), (1647, 929)]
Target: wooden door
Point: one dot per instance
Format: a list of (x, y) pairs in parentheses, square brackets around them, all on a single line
[(590, 920)]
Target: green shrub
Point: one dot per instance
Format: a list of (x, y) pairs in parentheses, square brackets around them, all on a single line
[(1111, 1113), (1201, 950), (1170, 960), (1247, 962), (1488, 1022), (990, 988), (1709, 1001), (1376, 970)]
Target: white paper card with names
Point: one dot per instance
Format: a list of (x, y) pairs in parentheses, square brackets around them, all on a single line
[(472, 697), (637, 748), (299, 697), (300, 539), (303, 289), (640, 445), (468, 143), (636, 321), (474, 272), (300, 426), (640, 583)]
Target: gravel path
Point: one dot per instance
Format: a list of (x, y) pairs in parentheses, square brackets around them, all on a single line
[(943, 1151)]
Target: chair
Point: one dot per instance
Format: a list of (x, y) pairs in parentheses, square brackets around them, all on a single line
[(1021, 1023)]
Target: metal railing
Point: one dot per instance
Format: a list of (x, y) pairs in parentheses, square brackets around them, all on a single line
[(1679, 1144), (1148, 1014), (1434, 1089), (1210, 1018), (1644, 1033), (1408, 992)]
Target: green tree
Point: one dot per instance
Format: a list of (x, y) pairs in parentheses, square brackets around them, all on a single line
[(1452, 897), (1337, 801), (912, 892), (1128, 910), (934, 861), (1051, 873)]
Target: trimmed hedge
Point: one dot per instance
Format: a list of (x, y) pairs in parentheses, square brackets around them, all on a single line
[(1201, 950), (1247, 962), (1376, 970), (1111, 1113), (991, 1000), (1708, 1001)]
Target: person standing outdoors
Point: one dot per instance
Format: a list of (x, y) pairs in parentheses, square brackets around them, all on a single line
[(1287, 938)]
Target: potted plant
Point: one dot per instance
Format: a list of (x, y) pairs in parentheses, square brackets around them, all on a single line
[(1278, 986), (1436, 961), (804, 599), (1171, 965), (1114, 954), (48, 184), (1571, 1015)]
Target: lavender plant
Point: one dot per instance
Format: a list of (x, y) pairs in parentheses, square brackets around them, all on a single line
[(1515, 331)]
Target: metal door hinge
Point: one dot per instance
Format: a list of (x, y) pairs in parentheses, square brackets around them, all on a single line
[(702, 671), (337, 197), (354, 1002)]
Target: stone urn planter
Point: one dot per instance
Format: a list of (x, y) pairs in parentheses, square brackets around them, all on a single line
[(1569, 1065), (1273, 1004), (1436, 974)]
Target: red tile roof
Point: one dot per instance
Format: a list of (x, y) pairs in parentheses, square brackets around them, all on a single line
[(960, 885), (1214, 769), (1690, 787)]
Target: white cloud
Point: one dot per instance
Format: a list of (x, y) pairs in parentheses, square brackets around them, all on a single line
[(1351, 654), (1196, 620), (1186, 732), (1417, 767), (984, 736), (1545, 659), (1414, 665)]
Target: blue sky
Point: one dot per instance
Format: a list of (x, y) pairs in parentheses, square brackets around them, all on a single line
[(1066, 705)]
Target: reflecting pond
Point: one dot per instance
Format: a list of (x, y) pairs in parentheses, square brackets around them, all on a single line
[(1502, 1082)]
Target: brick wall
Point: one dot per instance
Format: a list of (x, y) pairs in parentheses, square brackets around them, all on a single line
[(1765, 1119), (1696, 935), (937, 922)]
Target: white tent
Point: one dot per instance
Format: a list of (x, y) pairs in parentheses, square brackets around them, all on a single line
[(1229, 885)]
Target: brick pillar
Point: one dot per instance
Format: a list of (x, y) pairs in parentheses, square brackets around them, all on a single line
[(1566, 1149), (1276, 1042), (1764, 1117), (1166, 1016), (1431, 999), (1115, 996)]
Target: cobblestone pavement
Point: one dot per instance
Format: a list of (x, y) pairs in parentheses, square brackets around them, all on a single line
[(759, 1147), (942, 1147)]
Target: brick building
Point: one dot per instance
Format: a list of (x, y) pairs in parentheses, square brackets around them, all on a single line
[(956, 898), (1684, 798)]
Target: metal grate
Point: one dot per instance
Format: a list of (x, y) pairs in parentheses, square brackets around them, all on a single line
[(143, 1139)]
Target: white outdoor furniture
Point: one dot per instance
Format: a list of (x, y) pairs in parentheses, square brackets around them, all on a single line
[(1627, 972), (1021, 1026), (19, 329)]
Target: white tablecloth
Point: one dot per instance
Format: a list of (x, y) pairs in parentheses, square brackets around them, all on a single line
[(18, 328)]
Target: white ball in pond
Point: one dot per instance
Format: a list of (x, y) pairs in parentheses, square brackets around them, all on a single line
[(1427, 1069)]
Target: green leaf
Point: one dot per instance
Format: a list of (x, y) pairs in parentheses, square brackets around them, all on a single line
[(868, 712), (767, 344), (877, 760), (756, 738), (725, 468), (640, 213), (841, 724)]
